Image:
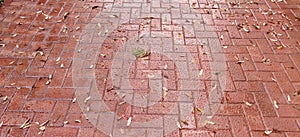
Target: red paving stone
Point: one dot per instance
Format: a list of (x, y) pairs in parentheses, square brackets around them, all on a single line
[(39, 81)]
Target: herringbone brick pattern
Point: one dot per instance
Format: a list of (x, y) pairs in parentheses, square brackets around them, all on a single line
[(45, 42)]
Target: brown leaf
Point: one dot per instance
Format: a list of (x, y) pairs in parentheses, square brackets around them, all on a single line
[(199, 110), (185, 122), (77, 121)]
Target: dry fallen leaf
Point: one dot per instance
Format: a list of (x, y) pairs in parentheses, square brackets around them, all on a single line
[(5, 98), (275, 104), (25, 124), (66, 122), (178, 125), (210, 122), (1, 124), (165, 91), (42, 128), (289, 98), (273, 40), (185, 122), (50, 76), (256, 26), (248, 104), (266, 61), (66, 15), (201, 72), (268, 132), (103, 55), (48, 82), (14, 35), (221, 37), (199, 110), (91, 66), (12, 62), (246, 29), (41, 28), (74, 100), (129, 121), (87, 99), (279, 47)]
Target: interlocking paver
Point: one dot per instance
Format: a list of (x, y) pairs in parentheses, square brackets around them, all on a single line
[(224, 68)]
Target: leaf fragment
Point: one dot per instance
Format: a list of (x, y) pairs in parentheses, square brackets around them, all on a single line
[(1, 124), (266, 61), (66, 122), (221, 37), (26, 123), (91, 66), (58, 59), (297, 93), (14, 35), (129, 121), (50, 76), (87, 99), (210, 122), (201, 72), (246, 29), (288, 98), (48, 82), (66, 15), (199, 110), (268, 132), (248, 104), (185, 122), (178, 125), (275, 104), (74, 100), (42, 128)]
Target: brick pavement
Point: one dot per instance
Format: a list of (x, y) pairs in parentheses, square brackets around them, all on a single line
[(226, 67)]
